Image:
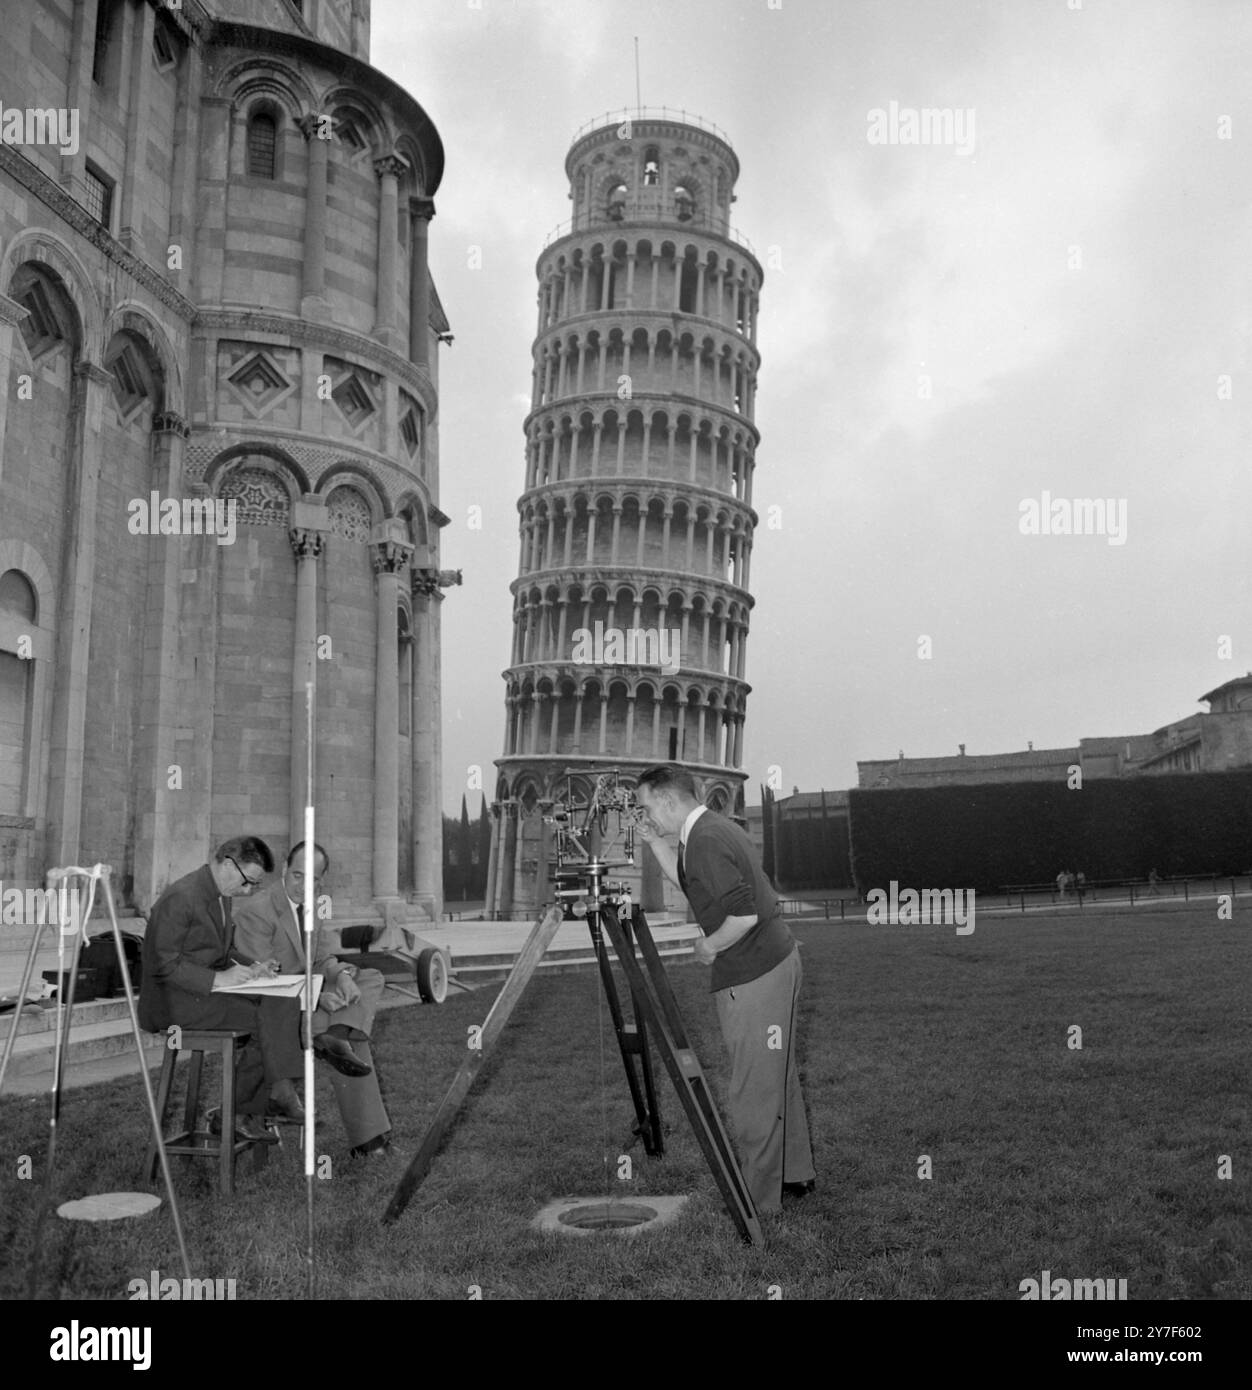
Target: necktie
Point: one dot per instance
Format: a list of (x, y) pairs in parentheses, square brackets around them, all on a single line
[(682, 871)]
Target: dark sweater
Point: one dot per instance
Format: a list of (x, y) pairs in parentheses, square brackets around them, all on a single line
[(722, 877)]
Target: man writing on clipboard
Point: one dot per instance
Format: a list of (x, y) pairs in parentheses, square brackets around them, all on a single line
[(189, 956)]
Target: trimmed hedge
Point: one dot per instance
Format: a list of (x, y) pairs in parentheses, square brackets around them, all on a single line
[(991, 835)]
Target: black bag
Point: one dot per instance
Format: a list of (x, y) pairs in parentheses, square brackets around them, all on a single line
[(100, 955)]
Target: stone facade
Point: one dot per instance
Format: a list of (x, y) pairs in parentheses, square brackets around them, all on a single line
[(637, 511), (1217, 741), (218, 294)]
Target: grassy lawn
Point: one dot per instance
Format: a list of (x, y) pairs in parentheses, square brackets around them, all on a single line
[(1098, 1163)]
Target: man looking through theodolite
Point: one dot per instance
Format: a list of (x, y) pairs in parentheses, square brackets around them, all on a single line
[(755, 980)]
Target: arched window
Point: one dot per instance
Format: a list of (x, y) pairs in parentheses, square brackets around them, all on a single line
[(262, 146), (651, 167), (684, 203), (617, 202)]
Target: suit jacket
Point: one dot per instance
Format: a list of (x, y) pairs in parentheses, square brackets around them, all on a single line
[(189, 937), (265, 928)]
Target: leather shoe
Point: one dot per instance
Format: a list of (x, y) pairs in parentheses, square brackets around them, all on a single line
[(799, 1189), (284, 1101), (378, 1147), (340, 1055)]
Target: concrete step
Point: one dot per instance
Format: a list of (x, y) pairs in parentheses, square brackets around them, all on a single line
[(88, 1042)]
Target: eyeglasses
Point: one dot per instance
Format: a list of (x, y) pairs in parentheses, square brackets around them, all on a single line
[(248, 883)]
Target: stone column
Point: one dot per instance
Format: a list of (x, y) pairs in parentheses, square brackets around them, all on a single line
[(617, 533), (69, 711), (421, 210), (309, 525), (155, 820), (630, 722), (604, 721), (11, 314), (389, 170), (78, 92), (389, 552), (578, 721), (493, 863), (135, 172), (212, 199), (183, 192), (426, 780), (318, 132)]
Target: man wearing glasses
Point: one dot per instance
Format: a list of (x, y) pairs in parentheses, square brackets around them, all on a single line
[(189, 948), (271, 925)]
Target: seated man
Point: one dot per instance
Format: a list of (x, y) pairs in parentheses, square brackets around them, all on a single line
[(188, 946), (271, 926)]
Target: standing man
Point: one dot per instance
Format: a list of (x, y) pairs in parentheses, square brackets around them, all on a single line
[(189, 947), (755, 981), (272, 925)]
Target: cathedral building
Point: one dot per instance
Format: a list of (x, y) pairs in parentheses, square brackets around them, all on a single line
[(219, 463), (631, 606)]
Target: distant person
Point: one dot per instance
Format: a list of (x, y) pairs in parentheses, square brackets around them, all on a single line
[(1081, 883), (1062, 879), (1154, 884)]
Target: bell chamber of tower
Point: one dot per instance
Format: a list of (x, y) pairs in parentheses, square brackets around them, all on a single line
[(632, 601)]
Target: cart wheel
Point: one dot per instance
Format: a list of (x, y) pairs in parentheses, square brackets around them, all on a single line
[(432, 976)]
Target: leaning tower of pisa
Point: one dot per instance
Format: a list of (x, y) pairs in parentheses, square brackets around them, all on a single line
[(630, 616)]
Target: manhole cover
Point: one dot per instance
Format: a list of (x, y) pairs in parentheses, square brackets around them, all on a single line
[(607, 1216)]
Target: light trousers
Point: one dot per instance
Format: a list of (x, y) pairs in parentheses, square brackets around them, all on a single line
[(766, 1102)]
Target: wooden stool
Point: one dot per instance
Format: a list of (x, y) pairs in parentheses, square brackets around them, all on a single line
[(193, 1142)]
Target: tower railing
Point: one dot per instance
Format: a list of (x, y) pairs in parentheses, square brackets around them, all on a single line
[(649, 113)]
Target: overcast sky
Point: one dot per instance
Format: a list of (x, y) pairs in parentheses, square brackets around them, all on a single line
[(946, 333)]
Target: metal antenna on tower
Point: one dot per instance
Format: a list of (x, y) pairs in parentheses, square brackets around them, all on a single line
[(638, 102)]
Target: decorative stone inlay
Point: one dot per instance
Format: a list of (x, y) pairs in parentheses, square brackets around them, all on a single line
[(349, 514), (261, 497)]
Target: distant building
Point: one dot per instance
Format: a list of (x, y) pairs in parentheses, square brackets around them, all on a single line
[(1217, 741)]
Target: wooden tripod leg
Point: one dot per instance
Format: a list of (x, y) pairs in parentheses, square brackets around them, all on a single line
[(632, 1040), (519, 977), (687, 1075)]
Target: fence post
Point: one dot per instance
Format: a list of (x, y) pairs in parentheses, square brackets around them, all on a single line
[(826, 905), (1132, 895), (1186, 894), (1022, 895)]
